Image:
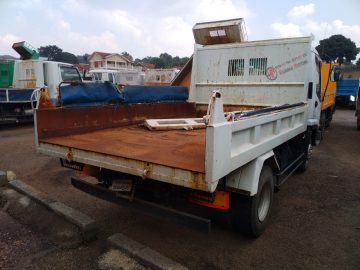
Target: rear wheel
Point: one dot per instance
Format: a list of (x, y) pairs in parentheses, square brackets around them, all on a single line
[(322, 124), (305, 163), (329, 114), (358, 123), (251, 214)]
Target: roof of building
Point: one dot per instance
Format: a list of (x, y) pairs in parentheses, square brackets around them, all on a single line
[(102, 54), (82, 66), (107, 55), (148, 65)]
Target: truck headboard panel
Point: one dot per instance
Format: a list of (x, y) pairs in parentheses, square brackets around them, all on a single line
[(262, 73)]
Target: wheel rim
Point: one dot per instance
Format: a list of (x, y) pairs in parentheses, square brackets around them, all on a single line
[(264, 203), (309, 152)]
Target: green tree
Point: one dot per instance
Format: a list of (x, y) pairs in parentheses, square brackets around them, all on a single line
[(83, 59), (137, 61), (337, 47), (358, 63), (183, 61), (68, 58), (52, 52), (176, 61), (158, 62), (128, 56), (167, 60)]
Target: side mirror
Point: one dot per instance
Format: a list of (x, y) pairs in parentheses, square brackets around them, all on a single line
[(335, 75)]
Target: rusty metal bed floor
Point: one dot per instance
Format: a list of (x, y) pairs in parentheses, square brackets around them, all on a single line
[(183, 149)]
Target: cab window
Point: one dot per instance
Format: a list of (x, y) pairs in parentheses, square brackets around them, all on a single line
[(69, 74)]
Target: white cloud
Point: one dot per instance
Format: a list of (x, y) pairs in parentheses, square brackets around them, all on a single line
[(63, 25), (320, 30), (173, 35), (350, 31), (20, 20), (210, 10), (78, 43), (74, 41), (80, 26), (301, 11), (25, 4), (287, 30), (300, 24), (6, 42), (121, 21)]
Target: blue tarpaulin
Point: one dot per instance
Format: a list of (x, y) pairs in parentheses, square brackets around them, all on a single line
[(15, 95), (90, 94), (147, 94), (93, 94), (3, 95)]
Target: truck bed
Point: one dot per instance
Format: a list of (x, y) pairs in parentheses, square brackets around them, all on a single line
[(114, 137), (183, 149)]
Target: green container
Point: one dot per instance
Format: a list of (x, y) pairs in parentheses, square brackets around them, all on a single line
[(6, 73)]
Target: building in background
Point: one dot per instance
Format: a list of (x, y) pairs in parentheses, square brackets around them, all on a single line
[(160, 76), (113, 61)]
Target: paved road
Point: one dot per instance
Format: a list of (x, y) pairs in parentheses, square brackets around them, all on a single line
[(315, 222)]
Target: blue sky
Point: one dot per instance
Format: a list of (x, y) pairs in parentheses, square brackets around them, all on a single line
[(148, 28)]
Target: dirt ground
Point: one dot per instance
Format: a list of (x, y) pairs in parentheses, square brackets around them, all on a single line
[(315, 220)]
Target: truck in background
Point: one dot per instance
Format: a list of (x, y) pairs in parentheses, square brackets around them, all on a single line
[(357, 110), (121, 77), (244, 125), (347, 92), (330, 74), (160, 76), (6, 73), (20, 78)]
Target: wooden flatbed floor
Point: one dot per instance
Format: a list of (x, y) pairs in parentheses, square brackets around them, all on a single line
[(183, 149)]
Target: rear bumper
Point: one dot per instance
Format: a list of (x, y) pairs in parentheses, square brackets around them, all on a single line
[(178, 217), (13, 112)]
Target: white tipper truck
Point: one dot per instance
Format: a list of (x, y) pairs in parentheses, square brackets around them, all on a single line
[(27, 76), (245, 125)]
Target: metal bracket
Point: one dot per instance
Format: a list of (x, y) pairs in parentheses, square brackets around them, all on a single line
[(215, 111)]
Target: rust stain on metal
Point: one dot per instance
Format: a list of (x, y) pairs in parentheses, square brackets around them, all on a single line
[(53, 122), (177, 149), (70, 155), (31, 83), (45, 101), (147, 170)]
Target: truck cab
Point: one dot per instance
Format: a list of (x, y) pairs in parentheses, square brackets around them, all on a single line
[(330, 75), (122, 77), (103, 75), (28, 76)]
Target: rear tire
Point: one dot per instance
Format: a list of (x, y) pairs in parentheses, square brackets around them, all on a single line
[(358, 123), (322, 125), (251, 214), (305, 163)]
